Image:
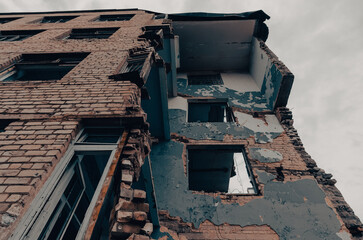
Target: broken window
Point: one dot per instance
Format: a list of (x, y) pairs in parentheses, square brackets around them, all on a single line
[(205, 79), (88, 33), (57, 19), (17, 35), (220, 168), (115, 17), (47, 66), (6, 20), (209, 110), (64, 206), (133, 69)]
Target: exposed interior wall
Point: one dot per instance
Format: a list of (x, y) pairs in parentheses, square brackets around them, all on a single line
[(238, 81), (255, 69), (297, 205), (258, 63), (251, 100), (286, 188), (265, 73), (242, 82)]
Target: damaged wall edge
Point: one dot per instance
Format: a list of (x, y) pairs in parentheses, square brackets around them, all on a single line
[(351, 221)]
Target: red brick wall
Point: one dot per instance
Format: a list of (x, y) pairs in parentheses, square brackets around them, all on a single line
[(49, 112), (29, 150)]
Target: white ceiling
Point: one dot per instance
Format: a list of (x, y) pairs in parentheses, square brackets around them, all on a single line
[(214, 45)]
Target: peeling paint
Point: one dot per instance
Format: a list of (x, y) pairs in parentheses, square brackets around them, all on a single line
[(265, 155), (266, 74), (253, 101), (271, 84), (264, 177), (272, 124), (292, 209), (217, 130)]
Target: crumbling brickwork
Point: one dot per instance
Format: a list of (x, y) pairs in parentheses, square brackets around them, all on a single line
[(351, 221), (131, 209), (47, 114)]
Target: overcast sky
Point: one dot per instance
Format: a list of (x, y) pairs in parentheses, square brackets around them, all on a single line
[(320, 42)]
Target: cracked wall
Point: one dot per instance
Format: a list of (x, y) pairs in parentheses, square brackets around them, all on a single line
[(292, 209), (291, 202)]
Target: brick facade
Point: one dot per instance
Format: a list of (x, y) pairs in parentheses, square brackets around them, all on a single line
[(47, 114)]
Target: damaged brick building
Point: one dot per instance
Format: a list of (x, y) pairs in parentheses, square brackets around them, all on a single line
[(130, 124)]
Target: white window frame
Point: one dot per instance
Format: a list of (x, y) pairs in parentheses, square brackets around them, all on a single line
[(34, 220)]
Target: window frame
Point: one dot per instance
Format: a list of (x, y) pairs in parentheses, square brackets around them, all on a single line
[(29, 226), (236, 148), (82, 136), (91, 33), (5, 20), (228, 113), (17, 35), (42, 61), (58, 19)]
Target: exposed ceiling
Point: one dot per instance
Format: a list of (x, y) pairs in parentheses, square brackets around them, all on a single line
[(214, 45)]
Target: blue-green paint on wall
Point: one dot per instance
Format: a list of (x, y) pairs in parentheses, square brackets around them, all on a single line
[(292, 209), (264, 177), (253, 101), (271, 85), (157, 234), (265, 155), (213, 130)]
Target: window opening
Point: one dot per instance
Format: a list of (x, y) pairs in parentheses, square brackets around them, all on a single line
[(73, 194), (96, 135), (209, 110), (6, 20), (57, 19), (65, 207), (115, 17), (17, 35), (49, 66), (217, 168), (205, 79), (4, 123), (132, 69), (88, 33)]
